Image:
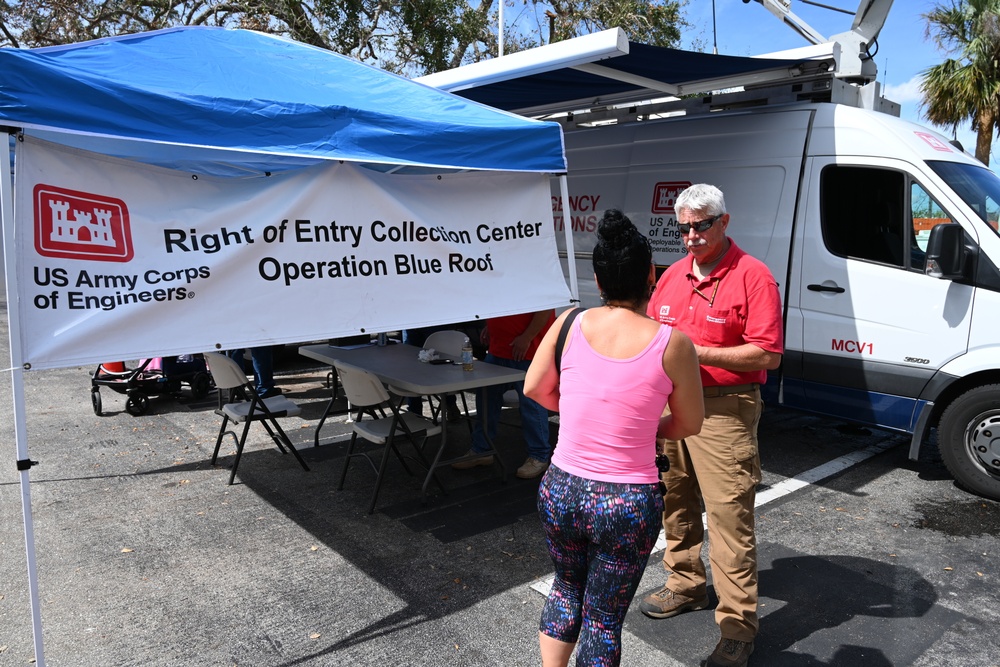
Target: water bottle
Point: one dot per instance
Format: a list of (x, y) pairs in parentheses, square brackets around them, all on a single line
[(467, 355)]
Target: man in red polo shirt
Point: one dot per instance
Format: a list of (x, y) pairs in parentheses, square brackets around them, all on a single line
[(728, 303), (512, 341)]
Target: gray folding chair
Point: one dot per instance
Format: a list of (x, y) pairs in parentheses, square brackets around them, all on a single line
[(447, 344), (366, 394), (228, 376)]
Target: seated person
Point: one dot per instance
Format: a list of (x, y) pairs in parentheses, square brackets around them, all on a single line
[(263, 369), (512, 341)]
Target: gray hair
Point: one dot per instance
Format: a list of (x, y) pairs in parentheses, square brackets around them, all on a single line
[(702, 197)]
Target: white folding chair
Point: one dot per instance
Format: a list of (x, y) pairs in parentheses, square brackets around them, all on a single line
[(448, 344), (228, 375), (366, 393)]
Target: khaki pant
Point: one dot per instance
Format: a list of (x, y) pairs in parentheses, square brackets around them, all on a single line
[(720, 467)]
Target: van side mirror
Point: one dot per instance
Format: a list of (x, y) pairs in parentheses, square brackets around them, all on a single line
[(946, 252)]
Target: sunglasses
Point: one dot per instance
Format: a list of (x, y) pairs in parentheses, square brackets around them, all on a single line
[(700, 226)]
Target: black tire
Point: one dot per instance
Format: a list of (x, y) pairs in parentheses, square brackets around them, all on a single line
[(95, 398), (201, 384), (969, 440), (137, 404)]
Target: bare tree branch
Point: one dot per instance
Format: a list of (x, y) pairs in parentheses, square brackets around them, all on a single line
[(405, 36)]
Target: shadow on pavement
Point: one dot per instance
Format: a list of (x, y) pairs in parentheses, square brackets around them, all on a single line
[(461, 548), (837, 611)]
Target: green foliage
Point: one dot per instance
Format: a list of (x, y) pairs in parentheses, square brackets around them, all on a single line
[(656, 23), (410, 37), (965, 87)]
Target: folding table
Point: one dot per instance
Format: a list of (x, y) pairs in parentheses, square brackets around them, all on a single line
[(399, 366)]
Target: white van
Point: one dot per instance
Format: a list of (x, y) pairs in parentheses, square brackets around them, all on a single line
[(882, 236)]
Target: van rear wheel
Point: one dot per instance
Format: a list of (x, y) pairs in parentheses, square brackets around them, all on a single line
[(969, 439)]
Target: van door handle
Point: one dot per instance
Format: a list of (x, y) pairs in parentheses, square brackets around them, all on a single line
[(825, 288)]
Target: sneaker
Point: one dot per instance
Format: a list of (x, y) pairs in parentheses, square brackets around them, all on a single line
[(730, 653), (532, 468), (269, 392), (664, 603), (477, 460)]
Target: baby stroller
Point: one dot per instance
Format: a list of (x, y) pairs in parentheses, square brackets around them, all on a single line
[(152, 377)]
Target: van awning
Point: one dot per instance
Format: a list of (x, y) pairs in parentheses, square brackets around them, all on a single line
[(643, 72)]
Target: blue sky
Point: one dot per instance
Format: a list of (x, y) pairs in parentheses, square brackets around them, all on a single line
[(903, 53)]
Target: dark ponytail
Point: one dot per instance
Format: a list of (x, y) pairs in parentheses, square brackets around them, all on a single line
[(622, 258)]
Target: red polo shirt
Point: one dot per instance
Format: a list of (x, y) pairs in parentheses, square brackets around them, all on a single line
[(503, 330), (737, 303)]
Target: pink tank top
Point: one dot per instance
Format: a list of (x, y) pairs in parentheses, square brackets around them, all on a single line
[(609, 410)]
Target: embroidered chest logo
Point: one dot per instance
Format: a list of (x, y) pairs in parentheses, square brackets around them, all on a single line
[(665, 315), (716, 320)]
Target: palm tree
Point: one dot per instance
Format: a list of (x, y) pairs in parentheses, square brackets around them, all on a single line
[(966, 87)]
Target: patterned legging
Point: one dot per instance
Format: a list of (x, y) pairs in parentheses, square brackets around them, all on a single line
[(600, 535)]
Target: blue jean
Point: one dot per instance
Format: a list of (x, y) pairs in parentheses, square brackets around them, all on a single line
[(263, 365), (534, 417)]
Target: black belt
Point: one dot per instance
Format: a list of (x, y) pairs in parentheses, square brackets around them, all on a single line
[(712, 392)]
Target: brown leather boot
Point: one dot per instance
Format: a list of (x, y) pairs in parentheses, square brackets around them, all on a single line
[(730, 653), (664, 603)]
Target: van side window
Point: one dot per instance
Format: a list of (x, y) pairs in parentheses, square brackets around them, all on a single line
[(925, 214), (862, 211)]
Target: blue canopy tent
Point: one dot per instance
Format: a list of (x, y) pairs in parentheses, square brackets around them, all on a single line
[(210, 100), (237, 104)]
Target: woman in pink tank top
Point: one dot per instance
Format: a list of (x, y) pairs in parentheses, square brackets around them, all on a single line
[(600, 501)]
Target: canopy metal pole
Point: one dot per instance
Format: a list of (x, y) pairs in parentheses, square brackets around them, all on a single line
[(17, 384), (500, 30), (715, 32), (574, 288)]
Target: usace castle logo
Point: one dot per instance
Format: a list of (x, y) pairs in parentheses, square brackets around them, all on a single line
[(665, 194), (79, 225)]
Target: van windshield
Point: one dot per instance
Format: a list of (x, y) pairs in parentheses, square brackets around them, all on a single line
[(977, 186)]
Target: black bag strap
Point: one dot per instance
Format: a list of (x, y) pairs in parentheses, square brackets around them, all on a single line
[(563, 332)]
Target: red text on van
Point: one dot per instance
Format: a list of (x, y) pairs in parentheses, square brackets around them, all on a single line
[(841, 345), (584, 205), (581, 223), (577, 204)]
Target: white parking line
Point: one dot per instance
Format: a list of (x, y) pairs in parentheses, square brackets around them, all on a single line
[(779, 490)]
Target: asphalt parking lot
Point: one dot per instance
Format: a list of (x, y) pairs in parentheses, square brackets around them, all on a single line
[(146, 557)]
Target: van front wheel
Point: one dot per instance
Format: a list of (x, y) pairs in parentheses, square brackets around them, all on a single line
[(969, 439)]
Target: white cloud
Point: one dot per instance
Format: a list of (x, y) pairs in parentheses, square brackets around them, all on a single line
[(905, 92)]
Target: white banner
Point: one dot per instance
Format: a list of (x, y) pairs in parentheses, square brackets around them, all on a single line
[(119, 260)]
